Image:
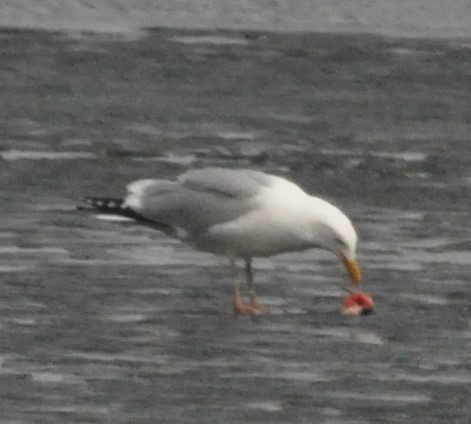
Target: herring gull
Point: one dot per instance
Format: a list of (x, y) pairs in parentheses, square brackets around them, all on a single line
[(240, 214)]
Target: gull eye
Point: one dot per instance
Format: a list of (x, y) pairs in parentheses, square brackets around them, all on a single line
[(340, 242)]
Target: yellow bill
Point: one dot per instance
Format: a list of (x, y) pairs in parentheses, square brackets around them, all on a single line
[(353, 269)]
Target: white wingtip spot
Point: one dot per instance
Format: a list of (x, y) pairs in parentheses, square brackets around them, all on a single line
[(136, 191)]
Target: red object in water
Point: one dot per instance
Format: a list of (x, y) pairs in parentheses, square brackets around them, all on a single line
[(357, 303)]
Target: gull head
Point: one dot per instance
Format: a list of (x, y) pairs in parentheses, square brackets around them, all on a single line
[(330, 229)]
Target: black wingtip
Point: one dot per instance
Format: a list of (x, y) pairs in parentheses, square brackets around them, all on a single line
[(108, 205), (113, 206)]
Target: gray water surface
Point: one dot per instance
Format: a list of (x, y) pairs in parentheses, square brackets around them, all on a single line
[(109, 323), (425, 18)]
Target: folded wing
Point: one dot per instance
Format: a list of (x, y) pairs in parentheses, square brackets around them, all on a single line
[(199, 199)]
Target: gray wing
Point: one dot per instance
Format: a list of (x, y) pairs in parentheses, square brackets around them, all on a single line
[(198, 199), (236, 183)]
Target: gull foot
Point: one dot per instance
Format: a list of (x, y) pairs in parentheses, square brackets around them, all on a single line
[(241, 308)]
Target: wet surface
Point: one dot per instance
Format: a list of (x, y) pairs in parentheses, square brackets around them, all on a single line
[(110, 323), (418, 18)]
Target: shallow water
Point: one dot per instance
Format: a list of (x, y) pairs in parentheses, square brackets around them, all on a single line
[(104, 322), (124, 20)]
